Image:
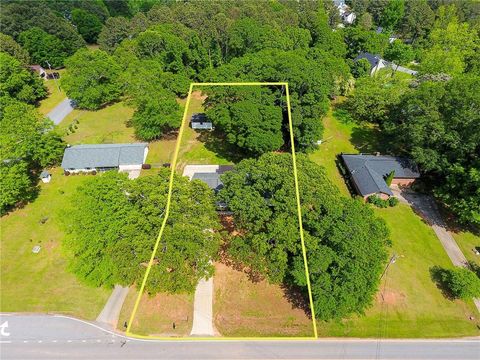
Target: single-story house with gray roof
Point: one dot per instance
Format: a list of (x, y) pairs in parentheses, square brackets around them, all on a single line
[(367, 173), (199, 121), (209, 174), (101, 157)]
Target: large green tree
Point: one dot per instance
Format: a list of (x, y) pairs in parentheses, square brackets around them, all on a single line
[(92, 79), (345, 242), (11, 47), (43, 48), (113, 224), (438, 124), (18, 82), (250, 117), (28, 143), (88, 25)]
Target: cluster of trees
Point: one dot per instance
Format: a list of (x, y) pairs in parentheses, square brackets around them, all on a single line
[(160, 51), (26, 138), (114, 221), (459, 283), (434, 119), (346, 243)]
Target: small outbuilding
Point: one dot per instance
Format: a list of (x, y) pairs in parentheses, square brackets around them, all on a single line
[(199, 121), (368, 173), (45, 176)]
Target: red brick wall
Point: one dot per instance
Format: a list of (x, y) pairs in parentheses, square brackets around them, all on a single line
[(403, 182)]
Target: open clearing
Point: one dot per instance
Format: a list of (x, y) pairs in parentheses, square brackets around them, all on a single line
[(156, 315), (245, 308), (413, 306), (40, 282)]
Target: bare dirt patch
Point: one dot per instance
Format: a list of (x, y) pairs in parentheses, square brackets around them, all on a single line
[(245, 308)]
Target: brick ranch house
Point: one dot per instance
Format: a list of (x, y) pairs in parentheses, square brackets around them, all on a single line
[(367, 173)]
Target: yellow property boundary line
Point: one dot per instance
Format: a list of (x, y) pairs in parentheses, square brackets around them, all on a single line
[(167, 210)]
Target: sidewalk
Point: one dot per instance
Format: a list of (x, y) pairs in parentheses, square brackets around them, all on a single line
[(111, 310), (203, 309)]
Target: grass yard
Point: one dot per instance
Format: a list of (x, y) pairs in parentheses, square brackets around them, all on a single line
[(413, 305), (107, 125), (40, 282), (55, 96), (244, 308), (467, 241), (200, 147), (156, 315)]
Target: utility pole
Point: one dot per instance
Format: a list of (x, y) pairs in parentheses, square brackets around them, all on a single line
[(54, 78)]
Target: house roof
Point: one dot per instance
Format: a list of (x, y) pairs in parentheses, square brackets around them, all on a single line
[(372, 59), (199, 118), (209, 174), (103, 155), (369, 171)]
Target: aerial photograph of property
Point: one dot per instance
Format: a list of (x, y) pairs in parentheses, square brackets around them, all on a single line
[(240, 179)]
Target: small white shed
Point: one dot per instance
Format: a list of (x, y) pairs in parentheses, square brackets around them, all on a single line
[(45, 176)]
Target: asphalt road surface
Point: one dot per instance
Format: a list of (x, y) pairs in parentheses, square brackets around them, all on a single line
[(58, 337), (60, 111)]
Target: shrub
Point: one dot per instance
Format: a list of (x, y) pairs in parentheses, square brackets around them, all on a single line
[(461, 283), (393, 201), (378, 202)]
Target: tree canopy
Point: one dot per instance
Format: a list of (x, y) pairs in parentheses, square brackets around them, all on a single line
[(11, 47), (43, 48), (345, 242), (92, 79), (113, 224), (88, 25), (18, 82)]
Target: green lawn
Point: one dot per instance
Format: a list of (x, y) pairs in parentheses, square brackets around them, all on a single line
[(467, 241), (40, 282), (107, 125), (413, 306), (55, 95)]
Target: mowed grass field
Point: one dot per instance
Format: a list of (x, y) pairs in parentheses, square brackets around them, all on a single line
[(409, 303), (156, 315), (40, 282), (245, 308), (468, 241), (55, 95)]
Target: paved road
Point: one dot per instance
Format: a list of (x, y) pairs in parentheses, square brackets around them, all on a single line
[(60, 111), (56, 337), (111, 311)]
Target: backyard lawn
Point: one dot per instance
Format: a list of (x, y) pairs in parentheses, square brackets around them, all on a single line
[(156, 315), (55, 95), (40, 282), (245, 308), (107, 126), (413, 306)]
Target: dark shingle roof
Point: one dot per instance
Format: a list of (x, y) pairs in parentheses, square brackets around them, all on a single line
[(103, 155), (212, 179), (372, 59), (369, 171)]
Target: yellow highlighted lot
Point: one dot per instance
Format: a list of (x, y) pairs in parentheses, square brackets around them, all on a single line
[(167, 210)]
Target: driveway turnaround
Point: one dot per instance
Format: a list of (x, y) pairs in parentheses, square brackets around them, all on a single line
[(57, 337), (203, 309), (61, 111), (111, 311)]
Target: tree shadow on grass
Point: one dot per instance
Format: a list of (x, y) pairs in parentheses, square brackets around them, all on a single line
[(369, 139), (216, 142), (297, 298), (437, 275)]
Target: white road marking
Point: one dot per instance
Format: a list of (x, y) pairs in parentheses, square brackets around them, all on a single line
[(69, 341), (39, 341), (54, 341), (5, 341)]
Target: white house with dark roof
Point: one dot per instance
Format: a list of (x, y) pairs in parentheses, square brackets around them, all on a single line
[(367, 173), (377, 63), (199, 121), (101, 157)]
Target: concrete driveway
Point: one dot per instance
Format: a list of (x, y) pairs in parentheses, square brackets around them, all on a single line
[(61, 111)]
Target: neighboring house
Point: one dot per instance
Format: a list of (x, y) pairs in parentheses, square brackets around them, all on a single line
[(367, 173), (377, 63), (200, 121), (45, 176), (347, 16), (38, 69), (101, 157)]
